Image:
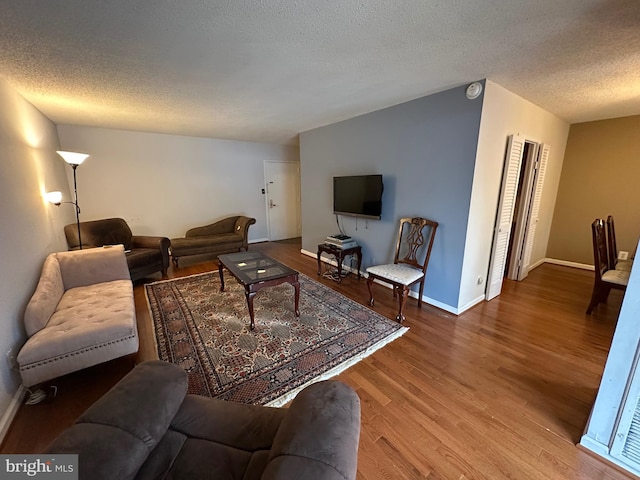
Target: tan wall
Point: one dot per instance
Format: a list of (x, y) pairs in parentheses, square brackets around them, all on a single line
[(600, 177)]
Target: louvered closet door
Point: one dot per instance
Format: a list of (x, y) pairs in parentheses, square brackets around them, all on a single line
[(506, 205), (535, 212), (626, 438)]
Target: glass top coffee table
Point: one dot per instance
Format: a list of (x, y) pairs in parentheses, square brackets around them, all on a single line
[(254, 271)]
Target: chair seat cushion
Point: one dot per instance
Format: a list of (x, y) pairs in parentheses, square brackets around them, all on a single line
[(624, 265), (619, 277), (142, 257), (398, 273)]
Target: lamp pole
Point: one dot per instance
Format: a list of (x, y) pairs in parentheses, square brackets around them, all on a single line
[(75, 191)]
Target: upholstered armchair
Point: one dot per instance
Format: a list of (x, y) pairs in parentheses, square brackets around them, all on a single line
[(145, 254)]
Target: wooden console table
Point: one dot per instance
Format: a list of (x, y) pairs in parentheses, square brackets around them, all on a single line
[(340, 254)]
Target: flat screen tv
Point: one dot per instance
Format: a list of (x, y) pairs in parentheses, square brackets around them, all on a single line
[(358, 196)]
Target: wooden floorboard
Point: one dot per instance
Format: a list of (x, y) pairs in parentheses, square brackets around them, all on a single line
[(502, 391)]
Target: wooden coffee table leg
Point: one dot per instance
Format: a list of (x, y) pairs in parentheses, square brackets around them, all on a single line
[(250, 296), (296, 285), (220, 268)]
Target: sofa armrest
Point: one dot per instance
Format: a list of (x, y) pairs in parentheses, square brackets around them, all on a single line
[(45, 299), (93, 265), (115, 436), (226, 225), (148, 241), (242, 228), (246, 427), (319, 436)]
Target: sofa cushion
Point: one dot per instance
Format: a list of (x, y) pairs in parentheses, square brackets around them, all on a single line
[(93, 265), (207, 240), (203, 459), (162, 457), (104, 452), (218, 244), (116, 434), (46, 297), (84, 318), (143, 257)]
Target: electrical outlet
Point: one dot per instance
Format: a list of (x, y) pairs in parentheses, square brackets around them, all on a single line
[(622, 255), (11, 359), (480, 280)]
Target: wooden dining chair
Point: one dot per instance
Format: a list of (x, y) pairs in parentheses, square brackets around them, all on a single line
[(413, 249), (605, 277), (612, 249)]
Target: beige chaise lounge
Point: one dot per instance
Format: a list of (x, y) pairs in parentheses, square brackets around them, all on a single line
[(81, 314), (225, 236)]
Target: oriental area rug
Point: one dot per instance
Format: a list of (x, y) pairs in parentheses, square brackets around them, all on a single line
[(206, 332)]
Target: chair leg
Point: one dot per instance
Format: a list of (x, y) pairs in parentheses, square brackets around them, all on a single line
[(175, 261), (420, 293), (402, 297), (605, 294), (369, 286), (596, 297)]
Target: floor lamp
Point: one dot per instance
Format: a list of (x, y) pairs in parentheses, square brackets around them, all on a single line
[(74, 159)]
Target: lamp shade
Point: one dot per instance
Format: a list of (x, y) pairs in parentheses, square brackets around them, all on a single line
[(54, 197), (73, 158)]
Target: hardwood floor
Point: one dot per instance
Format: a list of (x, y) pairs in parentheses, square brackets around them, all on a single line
[(501, 391)]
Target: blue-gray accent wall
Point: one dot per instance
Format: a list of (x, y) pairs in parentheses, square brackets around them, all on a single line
[(426, 150)]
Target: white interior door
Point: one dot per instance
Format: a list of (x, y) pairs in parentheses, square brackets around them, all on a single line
[(506, 205), (283, 199), (530, 234)]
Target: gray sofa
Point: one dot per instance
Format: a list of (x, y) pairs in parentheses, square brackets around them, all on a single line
[(224, 236), (146, 427), (81, 314)]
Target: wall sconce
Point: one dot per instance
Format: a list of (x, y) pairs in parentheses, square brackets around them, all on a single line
[(54, 197), (74, 159)]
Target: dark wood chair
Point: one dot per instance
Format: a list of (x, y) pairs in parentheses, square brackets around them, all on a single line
[(605, 277), (612, 249), (413, 249)]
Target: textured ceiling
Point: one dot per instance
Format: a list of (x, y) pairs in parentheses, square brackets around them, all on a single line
[(265, 70)]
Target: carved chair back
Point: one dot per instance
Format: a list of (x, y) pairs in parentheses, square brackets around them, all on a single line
[(415, 239)]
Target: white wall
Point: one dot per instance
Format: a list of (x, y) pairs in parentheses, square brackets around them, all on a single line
[(165, 184), (504, 114), (30, 228)]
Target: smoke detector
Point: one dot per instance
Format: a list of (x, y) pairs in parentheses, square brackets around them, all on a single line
[(474, 90)]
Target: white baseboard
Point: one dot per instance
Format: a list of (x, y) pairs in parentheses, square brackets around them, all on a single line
[(258, 240), (538, 263), (583, 266), (333, 262), (472, 303), (11, 411)]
